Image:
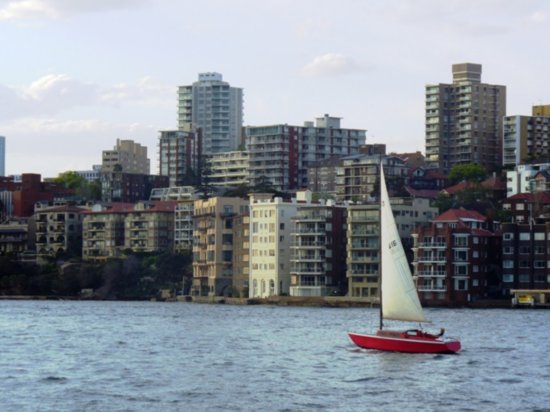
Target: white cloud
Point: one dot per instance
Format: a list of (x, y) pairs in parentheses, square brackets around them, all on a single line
[(27, 9), (56, 93), (539, 17), (331, 64), (51, 9), (146, 91)]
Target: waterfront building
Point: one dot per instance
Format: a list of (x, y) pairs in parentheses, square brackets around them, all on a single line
[(149, 227), (358, 177), (214, 106), (229, 168), (2, 156), (59, 230), (526, 138), (127, 156), (456, 258), (270, 239), (282, 154), (14, 237), (464, 120), (318, 253), (363, 251), (180, 155), (110, 229), (525, 256), (103, 231), (241, 254), (213, 244)]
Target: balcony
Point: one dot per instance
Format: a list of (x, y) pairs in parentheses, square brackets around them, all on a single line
[(432, 288), (431, 273)]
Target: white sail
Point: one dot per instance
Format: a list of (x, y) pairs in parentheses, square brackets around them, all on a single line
[(399, 297)]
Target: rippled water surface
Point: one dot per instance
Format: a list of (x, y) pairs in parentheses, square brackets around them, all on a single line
[(142, 356)]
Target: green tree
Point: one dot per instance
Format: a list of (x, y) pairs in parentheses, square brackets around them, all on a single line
[(82, 188), (470, 172)]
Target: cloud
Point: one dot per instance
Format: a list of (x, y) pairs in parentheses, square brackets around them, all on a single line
[(52, 9), (146, 91), (331, 64), (56, 93), (539, 17)]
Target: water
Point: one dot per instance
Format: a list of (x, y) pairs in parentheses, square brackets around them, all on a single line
[(143, 356)]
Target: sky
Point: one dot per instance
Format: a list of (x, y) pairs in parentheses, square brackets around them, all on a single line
[(75, 75)]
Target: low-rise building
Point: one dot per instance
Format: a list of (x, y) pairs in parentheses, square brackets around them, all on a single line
[(525, 256), (59, 230), (103, 231), (14, 237), (456, 258), (149, 227)]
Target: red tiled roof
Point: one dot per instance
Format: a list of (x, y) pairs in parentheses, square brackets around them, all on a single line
[(454, 215), (530, 197), (59, 209), (493, 183), (430, 194)]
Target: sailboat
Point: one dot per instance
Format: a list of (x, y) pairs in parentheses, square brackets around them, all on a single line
[(398, 296)]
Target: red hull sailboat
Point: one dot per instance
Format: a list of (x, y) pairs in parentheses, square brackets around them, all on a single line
[(398, 296)]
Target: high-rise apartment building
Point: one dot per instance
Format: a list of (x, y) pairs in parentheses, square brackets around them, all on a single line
[(2, 156), (127, 156), (214, 106), (464, 120), (282, 154), (179, 155), (526, 138)]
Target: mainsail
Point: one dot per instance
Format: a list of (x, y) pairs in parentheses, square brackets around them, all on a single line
[(399, 297)]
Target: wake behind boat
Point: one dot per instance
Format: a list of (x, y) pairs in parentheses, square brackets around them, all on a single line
[(398, 296)]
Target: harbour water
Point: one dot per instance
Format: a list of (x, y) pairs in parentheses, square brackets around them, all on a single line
[(145, 356)]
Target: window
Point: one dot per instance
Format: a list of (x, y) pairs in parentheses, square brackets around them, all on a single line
[(520, 206), (508, 278), (539, 235), (507, 250), (525, 236), (508, 236), (460, 284), (461, 270), (509, 264)]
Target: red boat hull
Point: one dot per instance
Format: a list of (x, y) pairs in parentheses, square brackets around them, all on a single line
[(413, 341)]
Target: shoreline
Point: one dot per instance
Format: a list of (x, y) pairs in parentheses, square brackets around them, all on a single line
[(323, 301)]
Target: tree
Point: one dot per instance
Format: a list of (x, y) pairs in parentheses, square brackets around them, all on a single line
[(205, 180), (470, 172), (82, 188)]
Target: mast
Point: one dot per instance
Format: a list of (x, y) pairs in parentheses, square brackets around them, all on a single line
[(381, 174)]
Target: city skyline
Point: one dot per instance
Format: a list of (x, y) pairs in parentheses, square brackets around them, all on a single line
[(79, 75)]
